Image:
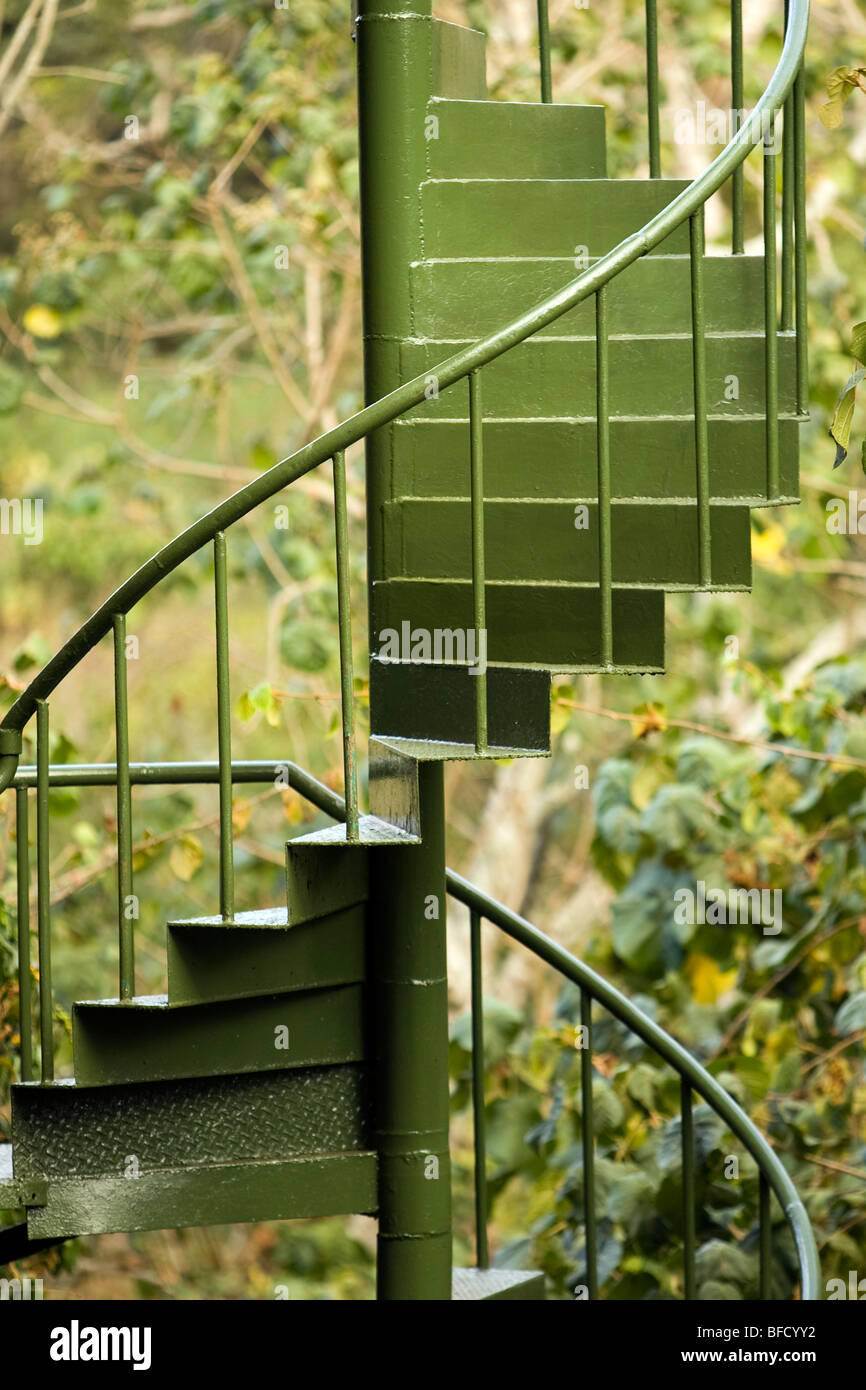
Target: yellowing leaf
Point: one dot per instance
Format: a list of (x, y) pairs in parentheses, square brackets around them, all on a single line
[(648, 720), (767, 548), (185, 859), (43, 322), (709, 983)]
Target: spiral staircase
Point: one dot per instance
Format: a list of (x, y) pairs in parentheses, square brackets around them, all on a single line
[(572, 408)]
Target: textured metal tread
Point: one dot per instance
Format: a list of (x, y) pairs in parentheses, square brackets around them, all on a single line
[(373, 831), (63, 1130), (488, 1284), (16, 1192)]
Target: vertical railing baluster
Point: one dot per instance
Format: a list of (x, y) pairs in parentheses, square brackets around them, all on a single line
[(43, 891), (766, 1238), (482, 1253), (771, 341), (588, 1144), (344, 613), (800, 243), (652, 88), (125, 912), (688, 1147), (544, 51), (787, 305), (479, 597), (602, 412), (699, 371), (224, 728), (25, 992), (738, 178)]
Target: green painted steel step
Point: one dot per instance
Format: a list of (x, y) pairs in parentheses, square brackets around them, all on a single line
[(150, 1039), (210, 960), (311, 892), (64, 1130), (558, 458), (210, 1195), (542, 217), (487, 1285), (508, 140), (435, 705), (458, 299), (17, 1192), (550, 377), (653, 544), (556, 627)]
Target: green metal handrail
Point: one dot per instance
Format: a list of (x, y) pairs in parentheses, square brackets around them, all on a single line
[(404, 398), (785, 89), (593, 989)]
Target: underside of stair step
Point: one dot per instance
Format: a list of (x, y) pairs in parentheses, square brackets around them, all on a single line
[(654, 544), (546, 378), (554, 627), (502, 140), (436, 704), (456, 298), (542, 217), (558, 458)]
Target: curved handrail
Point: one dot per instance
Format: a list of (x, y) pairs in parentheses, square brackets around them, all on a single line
[(332, 804), (410, 394), (548, 950)]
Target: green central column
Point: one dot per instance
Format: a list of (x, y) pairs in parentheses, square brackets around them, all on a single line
[(395, 81), (410, 1025)]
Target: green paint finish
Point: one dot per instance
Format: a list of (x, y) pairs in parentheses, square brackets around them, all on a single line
[(459, 66), (152, 1040), (508, 140), (17, 1192), (489, 1285), (557, 458), (438, 703), (63, 1130), (213, 1195), (550, 377), (541, 217), (556, 626), (410, 1046), (313, 893), (458, 299), (209, 962), (654, 544)]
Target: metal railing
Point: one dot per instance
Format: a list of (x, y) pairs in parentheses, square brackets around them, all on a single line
[(785, 90), (594, 989)]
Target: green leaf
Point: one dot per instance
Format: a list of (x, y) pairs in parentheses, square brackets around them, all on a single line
[(840, 429), (858, 342), (852, 1015)]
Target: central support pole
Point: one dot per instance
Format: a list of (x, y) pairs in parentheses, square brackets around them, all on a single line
[(407, 926), (395, 82)]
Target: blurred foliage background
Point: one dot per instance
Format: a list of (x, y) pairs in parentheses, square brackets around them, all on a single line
[(179, 308)]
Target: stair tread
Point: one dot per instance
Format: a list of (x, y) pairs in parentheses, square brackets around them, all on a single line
[(372, 831), (489, 1284), (259, 917)]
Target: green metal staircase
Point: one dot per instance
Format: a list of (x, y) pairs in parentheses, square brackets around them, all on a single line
[(533, 490)]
